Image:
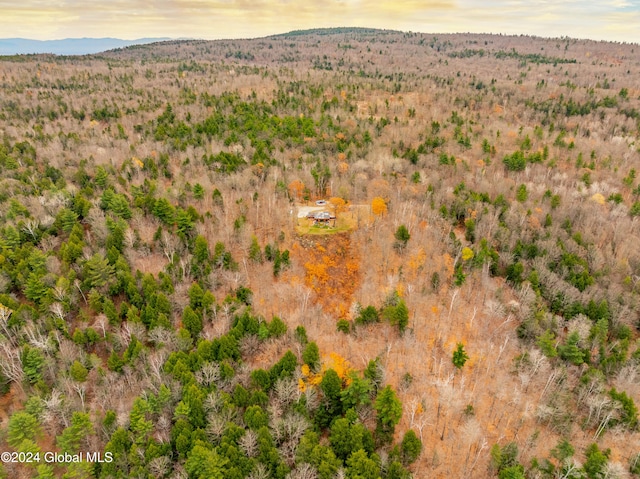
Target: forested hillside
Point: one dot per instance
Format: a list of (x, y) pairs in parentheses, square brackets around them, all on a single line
[(343, 253)]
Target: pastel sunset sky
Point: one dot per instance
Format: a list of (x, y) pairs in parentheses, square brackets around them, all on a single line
[(617, 20)]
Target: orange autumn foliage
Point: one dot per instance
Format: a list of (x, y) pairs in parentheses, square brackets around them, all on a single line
[(332, 271), (449, 264), (336, 362), (338, 204), (340, 365), (378, 206), (417, 260), (296, 189)]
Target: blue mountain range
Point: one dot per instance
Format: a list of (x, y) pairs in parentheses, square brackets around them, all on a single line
[(68, 46)]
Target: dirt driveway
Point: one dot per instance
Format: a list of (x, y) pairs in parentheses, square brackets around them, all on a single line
[(303, 211)]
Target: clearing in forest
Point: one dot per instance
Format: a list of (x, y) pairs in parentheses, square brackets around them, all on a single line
[(351, 217)]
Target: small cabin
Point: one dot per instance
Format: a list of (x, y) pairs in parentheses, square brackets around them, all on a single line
[(322, 218)]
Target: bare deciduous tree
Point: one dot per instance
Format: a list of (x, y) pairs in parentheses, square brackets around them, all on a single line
[(249, 443), (209, 374), (259, 471)]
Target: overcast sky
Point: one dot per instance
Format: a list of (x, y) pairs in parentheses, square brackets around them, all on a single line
[(617, 20)]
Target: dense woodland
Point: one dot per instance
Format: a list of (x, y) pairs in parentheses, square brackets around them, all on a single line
[(473, 311)]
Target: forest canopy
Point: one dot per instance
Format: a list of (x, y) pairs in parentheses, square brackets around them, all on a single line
[(334, 253)]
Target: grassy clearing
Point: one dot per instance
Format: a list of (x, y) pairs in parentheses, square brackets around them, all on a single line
[(345, 222)]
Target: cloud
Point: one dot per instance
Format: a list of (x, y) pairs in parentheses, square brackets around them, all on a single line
[(609, 19)]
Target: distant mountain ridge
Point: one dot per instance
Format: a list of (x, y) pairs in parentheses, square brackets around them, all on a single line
[(334, 31), (68, 46)]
